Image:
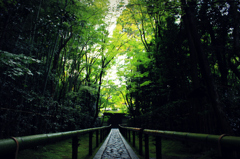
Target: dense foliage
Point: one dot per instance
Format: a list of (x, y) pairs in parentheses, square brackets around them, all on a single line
[(179, 67), (183, 64), (53, 58)]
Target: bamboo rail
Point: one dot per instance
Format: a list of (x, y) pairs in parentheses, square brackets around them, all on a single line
[(223, 142), (12, 145)]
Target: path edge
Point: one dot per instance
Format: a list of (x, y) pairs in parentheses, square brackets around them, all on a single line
[(129, 149), (103, 147)]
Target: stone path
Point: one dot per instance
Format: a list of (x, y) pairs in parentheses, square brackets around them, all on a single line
[(115, 147)]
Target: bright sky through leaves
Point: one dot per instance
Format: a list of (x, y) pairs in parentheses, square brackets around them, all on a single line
[(112, 17)]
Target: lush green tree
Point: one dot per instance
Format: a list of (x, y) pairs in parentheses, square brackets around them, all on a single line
[(192, 51), (180, 64), (49, 72)]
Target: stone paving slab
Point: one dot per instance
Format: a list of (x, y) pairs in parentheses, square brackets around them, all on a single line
[(115, 147)]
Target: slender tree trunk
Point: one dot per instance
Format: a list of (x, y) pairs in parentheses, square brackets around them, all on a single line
[(98, 96), (49, 66), (234, 14), (222, 124)]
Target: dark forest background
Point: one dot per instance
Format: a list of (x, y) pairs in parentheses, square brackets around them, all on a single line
[(54, 55)]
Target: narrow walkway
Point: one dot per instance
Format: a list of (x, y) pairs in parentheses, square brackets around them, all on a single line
[(115, 147)]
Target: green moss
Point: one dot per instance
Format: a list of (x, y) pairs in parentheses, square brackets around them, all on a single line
[(174, 149), (61, 150)]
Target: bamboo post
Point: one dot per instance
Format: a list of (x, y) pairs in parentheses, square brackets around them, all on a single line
[(74, 147), (140, 142), (158, 147), (146, 146), (133, 138), (90, 143), (97, 143), (101, 135), (129, 136)]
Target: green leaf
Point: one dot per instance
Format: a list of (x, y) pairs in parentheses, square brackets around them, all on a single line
[(145, 83)]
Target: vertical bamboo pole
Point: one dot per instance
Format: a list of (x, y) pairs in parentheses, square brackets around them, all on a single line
[(97, 143), (129, 135), (133, 138), (101, 135), (90, 143), (158, 147), (140, 142), (74, 147), (146, 146)]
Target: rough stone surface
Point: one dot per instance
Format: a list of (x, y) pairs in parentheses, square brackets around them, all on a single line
[(115, 148)]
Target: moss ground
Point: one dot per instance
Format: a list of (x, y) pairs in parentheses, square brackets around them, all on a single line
[(172, 149), (61, 150)]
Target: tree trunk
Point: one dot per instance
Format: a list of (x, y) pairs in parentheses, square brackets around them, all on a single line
[(222, 125), (98, 96), (234, 14)]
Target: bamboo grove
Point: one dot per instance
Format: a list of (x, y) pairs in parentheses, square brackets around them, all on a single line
[(54, 55), (183, 64), (180, 68)]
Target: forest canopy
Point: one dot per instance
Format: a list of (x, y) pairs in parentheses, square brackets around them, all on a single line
[(184, 64), (179, 69)]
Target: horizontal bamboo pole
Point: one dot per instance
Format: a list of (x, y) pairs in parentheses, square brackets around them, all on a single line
[(9, 145), (225, 141)]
